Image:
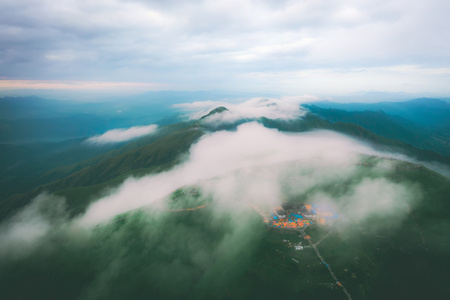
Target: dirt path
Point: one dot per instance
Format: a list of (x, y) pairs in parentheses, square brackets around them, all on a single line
[(303, 234)]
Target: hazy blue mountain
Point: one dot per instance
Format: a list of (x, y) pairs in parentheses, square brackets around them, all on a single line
[(21, 165), (38, 135), (31, 107), (427, 112), (37, 119), (390, 126), (80, 181)]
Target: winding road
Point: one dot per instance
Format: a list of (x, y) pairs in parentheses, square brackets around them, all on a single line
[(304, 235)]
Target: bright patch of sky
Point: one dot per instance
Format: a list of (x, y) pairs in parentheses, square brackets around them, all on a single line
[(291, 47)]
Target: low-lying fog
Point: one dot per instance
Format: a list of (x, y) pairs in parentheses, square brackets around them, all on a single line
[(250, 165)]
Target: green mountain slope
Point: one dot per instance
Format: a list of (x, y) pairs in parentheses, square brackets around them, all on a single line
[(389, 126), (312, 121), (68, 169), (80, 182), (22, 165), (87, 178), (427, 112)]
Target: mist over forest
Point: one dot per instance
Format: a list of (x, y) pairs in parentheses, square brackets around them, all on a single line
[(176, 203)]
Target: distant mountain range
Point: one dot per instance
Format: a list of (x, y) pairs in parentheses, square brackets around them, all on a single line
[(426, 112)]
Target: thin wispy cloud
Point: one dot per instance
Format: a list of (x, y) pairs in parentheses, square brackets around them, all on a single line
[(122, 134), (76, 85)]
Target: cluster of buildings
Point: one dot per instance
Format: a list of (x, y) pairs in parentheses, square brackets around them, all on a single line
[(295, 216)]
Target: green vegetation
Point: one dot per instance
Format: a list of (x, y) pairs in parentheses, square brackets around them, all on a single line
[(219, 252), (188, 198), (312, 121), (215, 254), (83, 181), (87, 179), (391, 127)]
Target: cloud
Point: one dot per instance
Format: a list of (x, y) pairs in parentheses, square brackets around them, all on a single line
[(273, 108), (216, 44), (252, 165), (379, 197), (239, 159), (122, 135), (370, 198), (335, 81), (27, 230), (6, 84)]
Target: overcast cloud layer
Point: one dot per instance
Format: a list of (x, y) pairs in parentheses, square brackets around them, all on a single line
[(319, 47)]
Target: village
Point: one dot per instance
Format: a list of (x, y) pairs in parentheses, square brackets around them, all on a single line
[(297, 215)]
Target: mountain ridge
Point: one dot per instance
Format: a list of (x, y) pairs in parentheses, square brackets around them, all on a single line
[(81, 181)]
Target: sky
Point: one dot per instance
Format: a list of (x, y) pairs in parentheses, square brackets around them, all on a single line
[(268, 46)]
